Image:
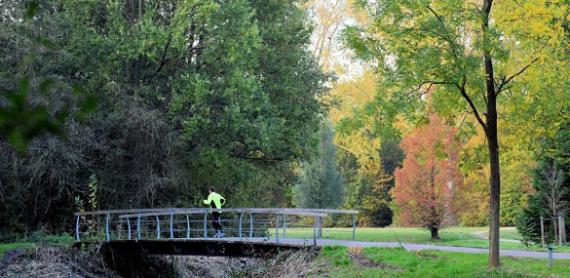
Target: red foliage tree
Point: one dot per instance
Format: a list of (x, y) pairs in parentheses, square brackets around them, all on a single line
[(429, 177)]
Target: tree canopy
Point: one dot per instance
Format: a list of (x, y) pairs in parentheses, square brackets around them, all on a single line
[(184, 95)]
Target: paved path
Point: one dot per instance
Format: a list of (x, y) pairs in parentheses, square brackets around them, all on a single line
[(407, 246)]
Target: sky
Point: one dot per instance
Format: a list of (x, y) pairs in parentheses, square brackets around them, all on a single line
[(330, 18)]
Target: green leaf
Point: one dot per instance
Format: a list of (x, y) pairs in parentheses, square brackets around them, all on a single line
[(32, 8)]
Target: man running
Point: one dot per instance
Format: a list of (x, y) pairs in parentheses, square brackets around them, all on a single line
[(216, 201)]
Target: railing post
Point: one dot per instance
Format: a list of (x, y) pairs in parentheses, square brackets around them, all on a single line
[(561, 230), (206, 224), (550, 258), (277, 228), (564, 228), (107, 232), (250, 225), (129, 227), (353, 226), (139, 226), (284, 225), (315, 232), (187, 226), (77, 228), (240, 223), (157, 227), (120, 228), (320, 227), (171, 225), (542, 231)]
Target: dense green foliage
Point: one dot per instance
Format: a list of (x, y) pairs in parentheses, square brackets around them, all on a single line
[(551, 183), (320, 184), (189, 94)]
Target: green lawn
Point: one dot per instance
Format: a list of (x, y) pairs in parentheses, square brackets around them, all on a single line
[(453, 236), (396, 262), (5, 247), (60, 240)]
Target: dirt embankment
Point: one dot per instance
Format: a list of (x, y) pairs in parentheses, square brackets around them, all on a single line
[(51, 261)]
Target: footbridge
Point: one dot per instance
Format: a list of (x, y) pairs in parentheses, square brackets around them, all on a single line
[(187, 231)]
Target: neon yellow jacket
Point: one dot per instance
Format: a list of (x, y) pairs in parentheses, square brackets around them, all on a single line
[(217, 199)]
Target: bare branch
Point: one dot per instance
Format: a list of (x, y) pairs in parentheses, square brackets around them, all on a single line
[(472, 105), (505, 81), (436, 15), (163, 59), (430, 84)]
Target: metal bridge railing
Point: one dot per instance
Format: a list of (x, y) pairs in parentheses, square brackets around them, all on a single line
[(193, 223)]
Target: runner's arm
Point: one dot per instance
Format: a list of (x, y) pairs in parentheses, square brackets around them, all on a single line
[(209, 200)]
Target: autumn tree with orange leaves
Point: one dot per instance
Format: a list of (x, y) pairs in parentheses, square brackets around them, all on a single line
[(429, 178)]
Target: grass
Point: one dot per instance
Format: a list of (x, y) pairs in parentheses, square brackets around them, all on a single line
[(35, 240), (452, 236), (396, 262), (5, 247)]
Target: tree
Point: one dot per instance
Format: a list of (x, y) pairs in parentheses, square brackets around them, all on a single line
[(552, 188), (189, 94), (376, 202), (458, 46), (366, 145), (320, 184), (21, 117), (329, 18), (427, 182)]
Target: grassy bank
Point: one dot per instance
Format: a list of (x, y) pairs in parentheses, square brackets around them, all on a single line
[(453, 236), (5, 247), (36, 240), (382, 262)]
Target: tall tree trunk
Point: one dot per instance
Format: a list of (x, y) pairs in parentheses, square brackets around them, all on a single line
[(554, 212), (492, 142), (434, 232), (135, 10), (495, 191)]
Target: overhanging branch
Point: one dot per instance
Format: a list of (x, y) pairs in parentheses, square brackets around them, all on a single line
[(505, 81), (472, 105), (428, 82)]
